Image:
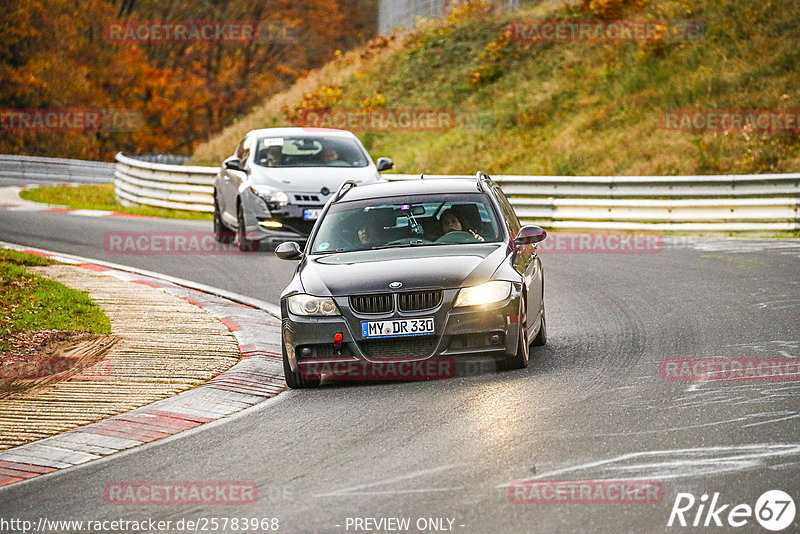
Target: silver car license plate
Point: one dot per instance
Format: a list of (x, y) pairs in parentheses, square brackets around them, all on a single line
[(311, 214)]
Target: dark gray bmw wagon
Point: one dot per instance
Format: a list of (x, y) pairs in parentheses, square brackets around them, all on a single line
[(398, 275)]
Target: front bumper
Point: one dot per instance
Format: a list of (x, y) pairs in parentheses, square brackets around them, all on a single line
[(479, 331), (287, 223), (291, 229)]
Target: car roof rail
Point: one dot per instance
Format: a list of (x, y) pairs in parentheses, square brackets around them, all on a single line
[(344, 188), (481, 176)]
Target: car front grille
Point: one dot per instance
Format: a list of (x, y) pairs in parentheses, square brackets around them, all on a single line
[(408, 302), (407, 347), (419, 300), (381, 303), (306, 198)]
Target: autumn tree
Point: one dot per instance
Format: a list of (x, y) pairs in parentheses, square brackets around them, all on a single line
[(59, 54)]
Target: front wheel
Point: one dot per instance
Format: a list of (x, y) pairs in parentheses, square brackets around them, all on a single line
[(221, 232), (522, 358), (245, 245)]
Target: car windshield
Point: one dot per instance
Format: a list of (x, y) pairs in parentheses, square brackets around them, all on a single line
[(426, 220), (309, 152)]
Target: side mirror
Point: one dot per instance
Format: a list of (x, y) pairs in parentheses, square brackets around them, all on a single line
[(529, 235), (288, 251), (234, 164), (384, 164)]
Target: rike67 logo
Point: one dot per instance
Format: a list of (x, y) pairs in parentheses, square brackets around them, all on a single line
[(774, 510)]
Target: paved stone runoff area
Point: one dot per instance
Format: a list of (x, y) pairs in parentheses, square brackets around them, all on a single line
[(173, 368)]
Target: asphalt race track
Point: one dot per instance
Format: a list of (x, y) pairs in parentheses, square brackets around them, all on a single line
[(592, 406)]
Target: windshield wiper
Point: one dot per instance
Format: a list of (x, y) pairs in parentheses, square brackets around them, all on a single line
[(418, 243)]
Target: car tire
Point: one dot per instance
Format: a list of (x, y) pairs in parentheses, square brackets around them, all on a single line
[(522, 358), (245, 245), (541, 337), (222, 233), (294, 379)]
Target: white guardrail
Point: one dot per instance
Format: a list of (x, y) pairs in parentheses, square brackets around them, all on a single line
[(184, 187), (736, 203), (54, 169)]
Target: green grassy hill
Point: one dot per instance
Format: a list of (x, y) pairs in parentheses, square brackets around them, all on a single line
[(575, 108)]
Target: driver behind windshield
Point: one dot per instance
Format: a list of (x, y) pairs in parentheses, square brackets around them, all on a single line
[(451, 223), (328, 155)]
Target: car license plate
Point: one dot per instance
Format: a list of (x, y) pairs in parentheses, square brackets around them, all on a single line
[(311, 214), (397, 328)]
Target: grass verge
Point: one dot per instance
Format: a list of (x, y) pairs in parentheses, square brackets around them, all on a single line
[(29, 302), (101, 197)]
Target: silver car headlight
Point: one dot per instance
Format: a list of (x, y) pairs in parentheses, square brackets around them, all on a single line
[(312, 306), (487, 293), (273, 197)]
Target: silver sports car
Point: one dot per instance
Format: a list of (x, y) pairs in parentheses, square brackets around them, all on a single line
[(274, 186)]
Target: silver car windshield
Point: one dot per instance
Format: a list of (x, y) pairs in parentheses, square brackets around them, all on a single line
[(309, 152), (406, 222)]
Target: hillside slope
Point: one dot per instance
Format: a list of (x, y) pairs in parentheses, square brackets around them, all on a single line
[(574, 108)]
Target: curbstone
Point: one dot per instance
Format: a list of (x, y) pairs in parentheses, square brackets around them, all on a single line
[(256, 377)]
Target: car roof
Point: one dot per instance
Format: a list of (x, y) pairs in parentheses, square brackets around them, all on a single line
[(412, 187), (305, 132)]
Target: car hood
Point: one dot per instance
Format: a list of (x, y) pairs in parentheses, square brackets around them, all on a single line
[(312, 179), (446, 266)]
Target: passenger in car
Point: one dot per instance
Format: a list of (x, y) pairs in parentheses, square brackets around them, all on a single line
[(369, 232), (372, 226), (274, 156)]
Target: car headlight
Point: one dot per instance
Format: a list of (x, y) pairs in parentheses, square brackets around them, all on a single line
[(273, 197), (483, 294), (310, 305)]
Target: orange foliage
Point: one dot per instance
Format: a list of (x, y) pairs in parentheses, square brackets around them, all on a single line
[(609, 9), (54, 56)]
